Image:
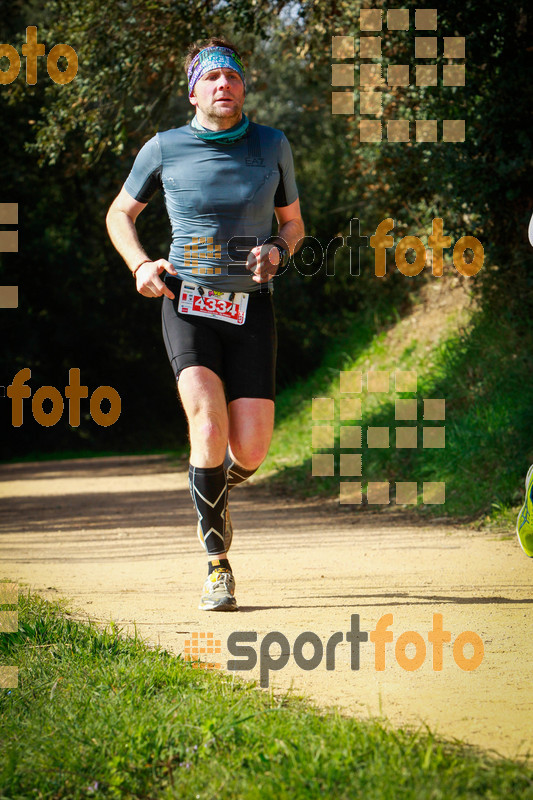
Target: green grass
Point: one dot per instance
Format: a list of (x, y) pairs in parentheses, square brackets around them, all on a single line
[(501, 521), (482, 372), (100, 715)]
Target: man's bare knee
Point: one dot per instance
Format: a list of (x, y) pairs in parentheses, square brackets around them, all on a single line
[(249, 456), (208, 428)]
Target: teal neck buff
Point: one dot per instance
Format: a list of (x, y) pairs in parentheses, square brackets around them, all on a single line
[(221, 137)]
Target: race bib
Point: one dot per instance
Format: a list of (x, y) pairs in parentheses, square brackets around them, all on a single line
[(203, 302)]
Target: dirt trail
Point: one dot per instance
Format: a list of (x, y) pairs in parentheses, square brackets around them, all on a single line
[(117, 537)]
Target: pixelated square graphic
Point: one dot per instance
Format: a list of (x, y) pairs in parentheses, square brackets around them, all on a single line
[(201, 644), (453, 75), (370, 75), (377, 437), (351, 436), (426, 75), (370, 103), (406, 381), (350, 408), (370, 47), (323, 465), (370, 19), (342, 75), (398, 130), (342, 103), (407, 437), (433, 492), (9, 296), (434, 409), (377, 492), (406, 409), (9, 213), (351, 381), (453, 130), (193, 255), (351, 464), (370, 130), (434, 437), (377, 381), (426, 130), (350, 492), (426, 19), (9, 593), (406, 493), (398, 19), (323, 408), (426, 47), (9, 621), (9, 677), (342, 47), (454, 46), (323, 436), (398, 75), (9, 240)]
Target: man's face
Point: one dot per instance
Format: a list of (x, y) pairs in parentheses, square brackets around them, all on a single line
[(219, 94)]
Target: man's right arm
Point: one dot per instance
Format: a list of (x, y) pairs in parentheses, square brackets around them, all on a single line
[(120, 221)]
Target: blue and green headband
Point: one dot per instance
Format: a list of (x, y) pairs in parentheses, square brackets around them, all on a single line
[(213, 58)]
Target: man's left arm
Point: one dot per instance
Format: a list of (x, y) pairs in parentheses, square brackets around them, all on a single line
[(290, 235)]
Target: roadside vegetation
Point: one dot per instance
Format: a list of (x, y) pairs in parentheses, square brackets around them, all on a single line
[(476, 364)]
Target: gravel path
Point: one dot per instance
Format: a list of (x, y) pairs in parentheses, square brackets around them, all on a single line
[(116, 536)]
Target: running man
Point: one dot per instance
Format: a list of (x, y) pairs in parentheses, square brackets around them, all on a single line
[(223, 178)]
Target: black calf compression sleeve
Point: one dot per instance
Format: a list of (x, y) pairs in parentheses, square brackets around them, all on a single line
[(209, 492), (235, 473)]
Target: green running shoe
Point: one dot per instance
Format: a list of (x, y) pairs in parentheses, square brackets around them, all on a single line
[(524, 523), (219, 591), (228, 532)]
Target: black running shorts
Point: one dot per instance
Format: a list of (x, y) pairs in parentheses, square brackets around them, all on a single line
[(243, 356)]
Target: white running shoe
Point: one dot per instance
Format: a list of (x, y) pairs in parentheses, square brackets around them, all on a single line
[(219, 591)]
